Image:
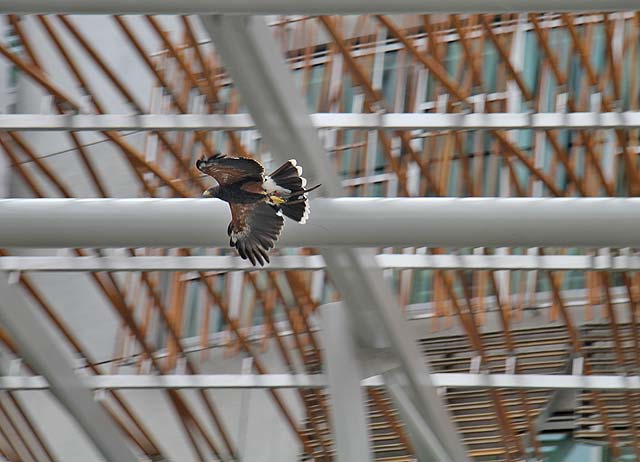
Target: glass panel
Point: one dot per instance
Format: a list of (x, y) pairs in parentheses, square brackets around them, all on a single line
[(531, 62), (490, 67), (389, 75), (314, 87), (421, 286), (194, 309)]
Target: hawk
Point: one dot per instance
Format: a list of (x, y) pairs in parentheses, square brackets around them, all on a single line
[(257, 201)]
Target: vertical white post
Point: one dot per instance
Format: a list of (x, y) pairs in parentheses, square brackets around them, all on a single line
[(514, 104), (245, 402), (372, 137), (349, 421), (7, 97)]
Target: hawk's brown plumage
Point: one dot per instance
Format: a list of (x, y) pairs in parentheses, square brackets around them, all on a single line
[(257, 201), (254, 229), (229, 170)]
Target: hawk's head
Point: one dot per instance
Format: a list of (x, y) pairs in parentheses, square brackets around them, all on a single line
[(204, 164)]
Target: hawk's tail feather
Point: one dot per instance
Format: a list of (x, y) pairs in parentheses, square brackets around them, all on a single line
[(296, 208), (312, 188), (289, 177)]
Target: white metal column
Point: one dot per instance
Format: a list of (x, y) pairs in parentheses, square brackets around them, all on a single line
[(45, 355), (5, 170), (348, 411), (7, 94)]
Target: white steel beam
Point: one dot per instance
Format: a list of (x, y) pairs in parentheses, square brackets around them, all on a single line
[(266, 381), (253, 58), (353, 222), (307, 7), (348, 409), (5, 176), (390, 121), (44, 353), (619, 263)]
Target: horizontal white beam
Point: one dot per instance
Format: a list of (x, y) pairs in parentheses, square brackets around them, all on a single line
[(354, 222), (316, 262), (312, 7), (394, 121), (229, 381), (115, 382)]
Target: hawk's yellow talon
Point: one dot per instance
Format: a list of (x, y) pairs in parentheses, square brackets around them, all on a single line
[(277, 200)]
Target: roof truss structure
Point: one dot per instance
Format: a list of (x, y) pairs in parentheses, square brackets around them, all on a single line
[(517, 106)]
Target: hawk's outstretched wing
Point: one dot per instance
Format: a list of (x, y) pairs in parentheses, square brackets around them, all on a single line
[(254, 229), (228, 170)]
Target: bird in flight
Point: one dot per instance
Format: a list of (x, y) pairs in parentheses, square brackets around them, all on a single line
[(257, 201)]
